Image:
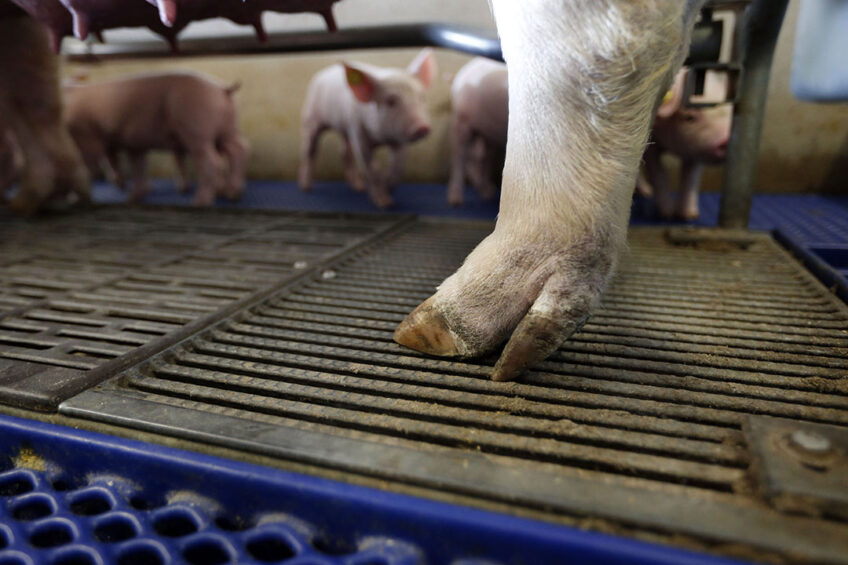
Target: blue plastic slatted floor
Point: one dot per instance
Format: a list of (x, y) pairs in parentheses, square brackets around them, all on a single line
[(69, 497)]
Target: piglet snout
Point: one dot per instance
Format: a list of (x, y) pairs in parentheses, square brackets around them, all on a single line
[(418, 132)]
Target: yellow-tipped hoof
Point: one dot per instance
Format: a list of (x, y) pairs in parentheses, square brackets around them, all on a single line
[(427, 331)]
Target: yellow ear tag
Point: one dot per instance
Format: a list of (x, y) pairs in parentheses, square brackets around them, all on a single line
[(354, 77), (668, 96)]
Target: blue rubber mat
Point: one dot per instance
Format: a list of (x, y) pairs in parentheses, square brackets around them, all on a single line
[(802, 217), (72, 497), (421, 199), (814, 227)]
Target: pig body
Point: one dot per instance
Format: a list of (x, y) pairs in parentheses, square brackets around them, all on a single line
[(164, 17), (479, 113), (250, 12), (584, 80), (31, 107), (698, 136), (52, 14), (369, 106), (180, 112)]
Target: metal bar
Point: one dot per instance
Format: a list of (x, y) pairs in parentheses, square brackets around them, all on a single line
[(473, 41), (688, 511), (764, 19), (706, 43)]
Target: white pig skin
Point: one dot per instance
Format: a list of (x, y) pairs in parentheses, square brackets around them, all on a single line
[(584, 79), (479, 110), (697, 136)]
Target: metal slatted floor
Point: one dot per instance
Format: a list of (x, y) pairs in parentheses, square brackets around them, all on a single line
[(81, 293), (668, 414)]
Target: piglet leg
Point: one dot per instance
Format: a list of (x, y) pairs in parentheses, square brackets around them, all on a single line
[(363, 158), (138, 171), (479, 167), (584, 78), (327, 14), (182, 171), (658, 180), (397, 161), (113, 158), (235, 150), (310, 134), (210, 167), (352, 175), (460, 146), (31, 105), (690, 183)]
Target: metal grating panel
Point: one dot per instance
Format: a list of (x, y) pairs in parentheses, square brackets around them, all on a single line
[(638, 419), (82, 498), (77, 292)]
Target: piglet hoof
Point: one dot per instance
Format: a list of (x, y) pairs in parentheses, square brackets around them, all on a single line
[(138, 194), (202, 199), (23, 204), (381, 198), (82, 199), (532, 296), (689, 215), (357, 184), (455, 195), (234, 193), (688, 209)]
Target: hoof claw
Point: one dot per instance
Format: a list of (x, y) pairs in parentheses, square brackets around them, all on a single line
[(427, 331)]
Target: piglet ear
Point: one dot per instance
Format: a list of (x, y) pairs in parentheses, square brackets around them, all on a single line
[(360, 82), (423, 67), (673, 98)]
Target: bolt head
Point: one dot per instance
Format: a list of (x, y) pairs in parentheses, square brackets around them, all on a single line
[(811, 442)]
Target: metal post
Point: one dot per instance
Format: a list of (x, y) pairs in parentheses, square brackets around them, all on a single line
[(764, 18)]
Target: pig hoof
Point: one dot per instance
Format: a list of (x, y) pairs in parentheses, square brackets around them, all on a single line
[(23, 206), (383, 201), (234, 194), (427, 330), (689, 215), (533, 297), (203, 200)]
